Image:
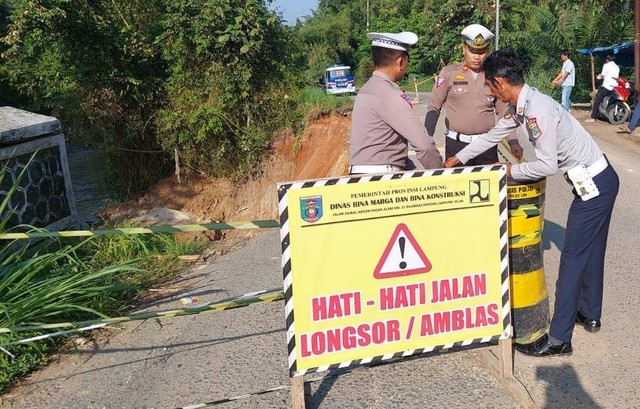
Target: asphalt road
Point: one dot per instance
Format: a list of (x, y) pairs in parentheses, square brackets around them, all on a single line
[(175, 362)]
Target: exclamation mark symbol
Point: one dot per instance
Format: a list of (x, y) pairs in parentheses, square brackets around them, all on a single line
[(401, 241)]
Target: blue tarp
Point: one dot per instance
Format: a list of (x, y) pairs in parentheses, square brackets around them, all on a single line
[(623, 53)]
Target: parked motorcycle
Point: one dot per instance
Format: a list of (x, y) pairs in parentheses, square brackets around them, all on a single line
[(614, 106)]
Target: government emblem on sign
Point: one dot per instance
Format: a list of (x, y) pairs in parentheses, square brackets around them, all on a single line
[(311, 208)]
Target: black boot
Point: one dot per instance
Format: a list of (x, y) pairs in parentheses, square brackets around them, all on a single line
[(589, 324), (542, 347)]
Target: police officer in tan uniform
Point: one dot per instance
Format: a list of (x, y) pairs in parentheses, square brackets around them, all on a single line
[(383, 121), (471, 109)]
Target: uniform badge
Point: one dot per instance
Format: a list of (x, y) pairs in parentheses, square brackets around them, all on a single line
[(520, 110), (439, 81), (407, 99), (533, 127), (311, 208), (459, 77), (465, 68), (509, 119)]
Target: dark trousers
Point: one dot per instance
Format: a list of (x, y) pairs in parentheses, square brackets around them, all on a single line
[(602, 92), (635, 117), (581, 275), (452, 147)]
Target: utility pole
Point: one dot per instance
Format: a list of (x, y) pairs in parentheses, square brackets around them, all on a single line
[(368, 15), (636, 48), (498, 23)]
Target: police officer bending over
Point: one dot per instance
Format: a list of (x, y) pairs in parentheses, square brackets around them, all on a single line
[(559, 141), (383, 120), (471, 109)]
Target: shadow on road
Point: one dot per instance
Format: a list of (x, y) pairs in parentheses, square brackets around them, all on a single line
[(313, 401), (564, 389), (168, 351), (552, 233)]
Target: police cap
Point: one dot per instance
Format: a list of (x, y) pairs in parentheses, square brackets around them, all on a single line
[(477, 37), (396, 41)]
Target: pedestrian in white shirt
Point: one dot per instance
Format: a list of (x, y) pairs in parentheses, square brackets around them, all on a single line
[(566, 79), (608, 75)]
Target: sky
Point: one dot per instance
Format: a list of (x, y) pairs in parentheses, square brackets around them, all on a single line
[(292, 9)]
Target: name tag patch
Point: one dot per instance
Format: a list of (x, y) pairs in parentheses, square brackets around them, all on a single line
[(407, 99)]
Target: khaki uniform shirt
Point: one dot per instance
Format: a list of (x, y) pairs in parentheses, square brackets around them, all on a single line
[(471, 109), (382, 122), (557, 137)]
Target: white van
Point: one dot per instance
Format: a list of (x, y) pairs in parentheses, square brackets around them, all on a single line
[(338, 79)]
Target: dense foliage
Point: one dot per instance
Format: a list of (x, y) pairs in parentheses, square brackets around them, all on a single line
[(227, 63), (538, 29), (147, 79)]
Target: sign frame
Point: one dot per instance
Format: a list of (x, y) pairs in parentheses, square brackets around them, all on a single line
[(284, 215)]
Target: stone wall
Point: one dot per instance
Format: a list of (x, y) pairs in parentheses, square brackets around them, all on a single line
[(33, 146)]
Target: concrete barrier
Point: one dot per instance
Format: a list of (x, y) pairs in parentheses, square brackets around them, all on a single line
[(44, 197)]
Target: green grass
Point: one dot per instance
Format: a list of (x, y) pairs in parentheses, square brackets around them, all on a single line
[(314, 99)]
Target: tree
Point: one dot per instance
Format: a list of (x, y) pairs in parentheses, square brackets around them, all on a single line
[(230, 62), (95, 66)]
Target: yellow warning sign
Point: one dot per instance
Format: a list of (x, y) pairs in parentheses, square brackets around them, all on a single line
[(386, 266)]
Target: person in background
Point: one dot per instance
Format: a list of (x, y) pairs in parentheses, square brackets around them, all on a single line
[(383, 121), (566, 79), (560, 142), (608, 75), (471, 109), (633, 122)]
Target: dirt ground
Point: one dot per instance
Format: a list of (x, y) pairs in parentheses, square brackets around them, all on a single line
[(322, 151)]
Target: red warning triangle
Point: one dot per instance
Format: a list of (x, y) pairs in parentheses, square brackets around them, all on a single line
[(402, 257)]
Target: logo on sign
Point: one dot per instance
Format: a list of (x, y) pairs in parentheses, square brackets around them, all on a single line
[(479, 191), (311, 208)]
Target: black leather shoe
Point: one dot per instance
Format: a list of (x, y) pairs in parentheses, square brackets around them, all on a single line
[(542, 347), (589, 324)]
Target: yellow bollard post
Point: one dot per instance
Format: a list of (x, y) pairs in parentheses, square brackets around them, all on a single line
[(529, 300)]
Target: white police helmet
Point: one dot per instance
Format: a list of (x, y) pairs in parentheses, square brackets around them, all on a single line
[(396, 41)]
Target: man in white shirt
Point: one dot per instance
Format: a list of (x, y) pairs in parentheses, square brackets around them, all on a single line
[(609, 74), (566, 79)]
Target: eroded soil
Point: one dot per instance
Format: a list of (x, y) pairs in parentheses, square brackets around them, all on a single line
[(323, 151)]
